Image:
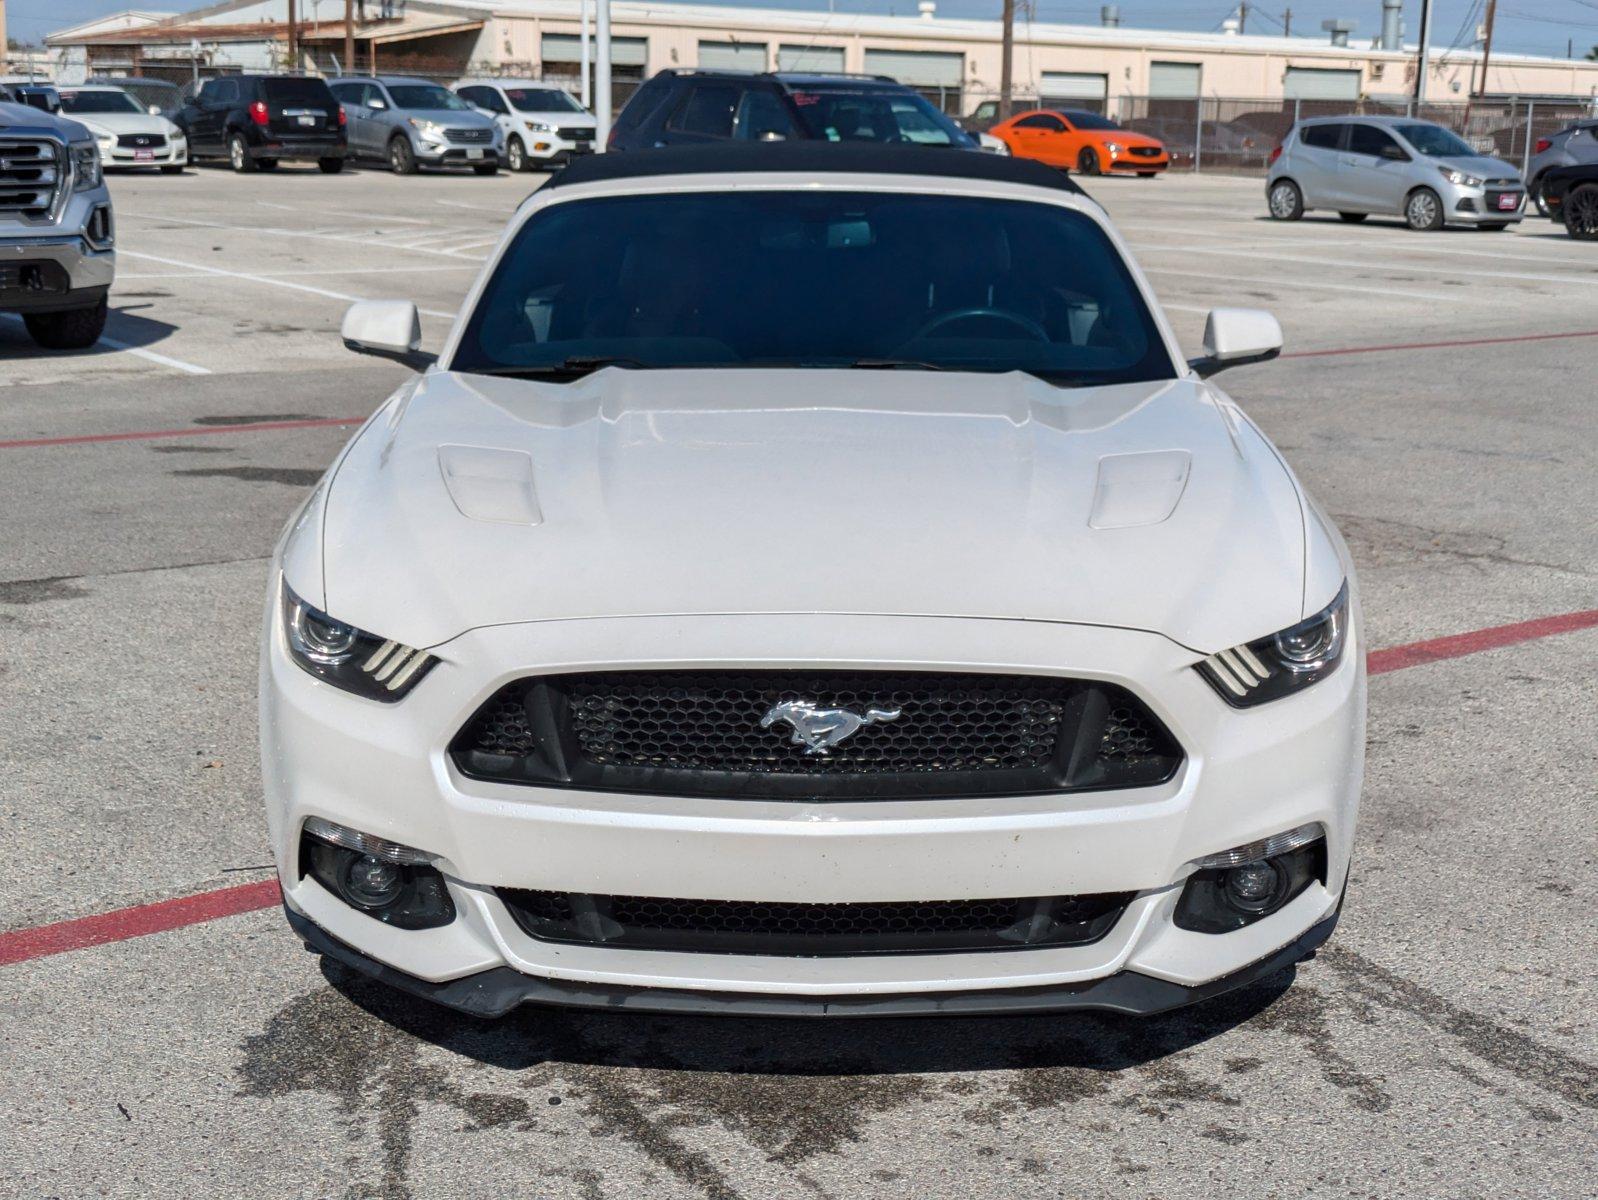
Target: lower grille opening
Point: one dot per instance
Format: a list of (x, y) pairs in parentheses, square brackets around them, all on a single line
[(814, 930)]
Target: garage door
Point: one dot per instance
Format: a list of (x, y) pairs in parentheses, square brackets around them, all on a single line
[(732, 56), (918, 68), (1067, 85), (810, 58), (1317, 83), (1174, 81), (566, 48)]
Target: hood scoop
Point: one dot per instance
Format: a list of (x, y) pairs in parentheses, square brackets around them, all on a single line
[(1138, 489), (489, 484)]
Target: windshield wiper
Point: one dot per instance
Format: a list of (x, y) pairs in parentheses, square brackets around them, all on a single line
[(571, 367), (893, 364)]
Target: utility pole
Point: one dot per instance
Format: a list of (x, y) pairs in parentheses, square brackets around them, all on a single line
[(1007, 63), (1425, 50), (1242, 17), (294, 57), (1487, 46), (1287, 23), (602, 77), (584, 20), (349, 38)]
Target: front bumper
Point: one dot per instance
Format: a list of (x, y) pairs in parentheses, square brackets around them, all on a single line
[(53, 273), (383, 769), (1124, 162), (1480, 206), (170, 155), (444, 154)]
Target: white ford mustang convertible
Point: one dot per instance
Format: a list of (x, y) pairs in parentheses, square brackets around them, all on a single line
[(811, 581)]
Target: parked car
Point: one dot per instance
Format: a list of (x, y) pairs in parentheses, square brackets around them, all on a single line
[(157, 95), (57, 253), (34, 93), (549, 715), (1571, 196), (413, 123), (681, 107), (258, 121), (1222, 140), (540, 125), (986, 114), (1075, 140), (129, 135), (1571, 146), (1390, 166)]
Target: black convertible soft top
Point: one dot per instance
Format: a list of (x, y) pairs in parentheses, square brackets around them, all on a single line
[(813, 158)]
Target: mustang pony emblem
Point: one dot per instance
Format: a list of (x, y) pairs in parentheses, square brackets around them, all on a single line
[(818, 730)]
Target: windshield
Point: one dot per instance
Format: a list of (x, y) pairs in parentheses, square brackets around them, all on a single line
[(542, 100), (814, 279), (424, 96), (876, 117), (99, 102), (1434, 141), (1087, 120)]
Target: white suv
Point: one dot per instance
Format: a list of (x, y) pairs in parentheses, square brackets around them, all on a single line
[(543, 124), (811, 581)]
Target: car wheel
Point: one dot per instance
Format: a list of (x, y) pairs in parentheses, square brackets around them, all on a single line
[(174, 169), (1353, 218), (1581, 213), (238, 155), (401, 158), (266, 164), (1285, 200), (1423, 211), (516, 155), (1534, 191), (75, 329), (330, 166), (486, 169), (1087, 162)]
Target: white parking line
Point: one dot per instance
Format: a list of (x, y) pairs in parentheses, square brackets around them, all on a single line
[(427, 270), (293, 234), (1419, 243), (1192, 308), (1294, 284), (177, 364), (339, 212), (503, 212), (1370, 266), (268, 281)]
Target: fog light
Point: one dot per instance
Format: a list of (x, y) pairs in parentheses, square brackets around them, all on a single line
[(387, 881), (540, 145), (1237, 887), (370, 882)]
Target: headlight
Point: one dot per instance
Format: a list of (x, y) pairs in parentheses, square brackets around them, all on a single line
[(1113, 147), (85, 166), (540, 127), (1459, 177), (350, 658), (428, 129), (1283, 663)]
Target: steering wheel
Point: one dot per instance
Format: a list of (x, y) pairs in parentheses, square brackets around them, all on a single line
[(1026, 324)]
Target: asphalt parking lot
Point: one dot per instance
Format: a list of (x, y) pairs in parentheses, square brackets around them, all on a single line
[(1436, 395)]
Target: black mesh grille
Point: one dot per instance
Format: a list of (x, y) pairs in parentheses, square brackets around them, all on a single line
[(775, 927), (1144, 151), (730, 733), (141, 141)]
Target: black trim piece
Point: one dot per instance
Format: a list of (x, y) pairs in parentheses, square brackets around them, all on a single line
[(495, 992)]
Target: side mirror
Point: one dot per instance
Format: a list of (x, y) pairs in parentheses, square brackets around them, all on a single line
[(484, 111), (1396, 153), (387, 329), (375, 103), (1236, 337), (153, 109)]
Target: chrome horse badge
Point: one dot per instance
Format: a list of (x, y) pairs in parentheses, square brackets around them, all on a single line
[(818, 730)]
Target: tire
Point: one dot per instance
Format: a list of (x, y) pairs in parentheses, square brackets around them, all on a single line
[(516, 156), (1423, 211), (330, 166), (1285, 201), (1581, 213), (172, 169), (1087, 162), (266, 164), (74, 329), (401, 158), (1534, 192), (1353, 218), (239, 155), (486, 169)]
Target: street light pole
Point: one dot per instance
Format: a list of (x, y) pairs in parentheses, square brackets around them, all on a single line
[(1425, 50), (602, 77), (587, 87), (349, 38), (1007, 63)]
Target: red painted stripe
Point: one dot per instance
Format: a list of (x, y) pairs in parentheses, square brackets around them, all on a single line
[(1488, 341), (20, 945), (1397, 658), (123, 923), (195, 431)]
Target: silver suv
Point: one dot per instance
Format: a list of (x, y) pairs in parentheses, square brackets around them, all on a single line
[(1391, 166), (56, 256), (409, 123)]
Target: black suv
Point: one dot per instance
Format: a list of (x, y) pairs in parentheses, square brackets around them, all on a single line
[(257, 121), (690, 108)]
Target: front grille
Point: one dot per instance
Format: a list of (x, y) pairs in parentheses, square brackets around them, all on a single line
[(736, 734), (1145, 151), (576, 133), (141, 141), (34, 278), (813, 930), (470, 137), (30, 173)]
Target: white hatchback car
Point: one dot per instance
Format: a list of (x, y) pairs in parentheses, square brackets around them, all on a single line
[(811, 581), (543, 125)]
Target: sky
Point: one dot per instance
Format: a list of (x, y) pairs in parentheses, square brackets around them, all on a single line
[(1526, 26)]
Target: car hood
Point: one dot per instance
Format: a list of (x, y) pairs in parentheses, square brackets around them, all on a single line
[(1130, 138), (1484, 166), (127, 123), (475, 501), (566, 120), (454, 117)]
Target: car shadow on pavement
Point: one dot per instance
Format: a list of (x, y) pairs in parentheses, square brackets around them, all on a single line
[(124, 326), (534, 1036)]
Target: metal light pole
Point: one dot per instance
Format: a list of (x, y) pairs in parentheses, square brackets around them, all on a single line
[(602, 77), (587, 89), (1007, 63), (1425, 50)]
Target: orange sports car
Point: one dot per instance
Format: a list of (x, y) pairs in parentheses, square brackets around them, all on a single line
[(1081, 141)]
